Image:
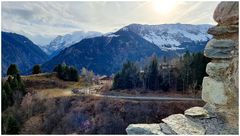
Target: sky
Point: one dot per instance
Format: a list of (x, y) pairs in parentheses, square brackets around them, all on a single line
[(42, 21)]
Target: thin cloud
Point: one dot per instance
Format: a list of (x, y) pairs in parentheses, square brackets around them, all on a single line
[(42, 21)]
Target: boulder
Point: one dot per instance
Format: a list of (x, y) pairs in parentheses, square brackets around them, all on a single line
[(197, 112), (226, 13), (144, 129), (183, 126), (213, 91), (216, 70)]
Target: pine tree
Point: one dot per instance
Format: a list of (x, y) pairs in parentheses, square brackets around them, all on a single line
[(152, 75), (12, 70), (73, 74), (128, 77)]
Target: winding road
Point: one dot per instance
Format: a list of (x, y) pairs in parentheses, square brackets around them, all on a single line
[(148, 98), (91, 92)]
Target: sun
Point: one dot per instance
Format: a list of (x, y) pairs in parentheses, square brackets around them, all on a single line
[(163, 6)]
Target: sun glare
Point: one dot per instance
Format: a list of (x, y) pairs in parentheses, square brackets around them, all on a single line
[(163, 6)]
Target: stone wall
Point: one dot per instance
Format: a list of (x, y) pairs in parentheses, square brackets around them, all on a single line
[(220, 89)]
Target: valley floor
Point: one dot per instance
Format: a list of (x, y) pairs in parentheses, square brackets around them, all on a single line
[(51, 107)]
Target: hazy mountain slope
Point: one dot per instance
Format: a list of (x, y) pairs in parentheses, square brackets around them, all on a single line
[(17, 49)]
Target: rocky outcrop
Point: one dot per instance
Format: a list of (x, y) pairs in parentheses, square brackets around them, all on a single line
[(220, 89), (195, 121)]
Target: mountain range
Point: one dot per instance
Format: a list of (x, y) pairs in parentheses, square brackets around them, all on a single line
[(105, 53)]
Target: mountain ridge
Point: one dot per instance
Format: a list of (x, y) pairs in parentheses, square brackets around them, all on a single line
[(18, 49), (64, 41), (114, 49)]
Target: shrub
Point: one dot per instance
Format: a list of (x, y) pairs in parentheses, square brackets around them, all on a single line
[(10, 124)]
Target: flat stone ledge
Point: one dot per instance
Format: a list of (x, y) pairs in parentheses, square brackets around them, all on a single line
[(183, 126), (221, 30), (197, 112), (219, 49), (144, 129)]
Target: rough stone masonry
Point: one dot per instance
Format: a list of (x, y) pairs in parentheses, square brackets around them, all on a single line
[(219, 90)]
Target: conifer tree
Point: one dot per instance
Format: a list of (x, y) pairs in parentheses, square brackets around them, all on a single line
[(12, 70)]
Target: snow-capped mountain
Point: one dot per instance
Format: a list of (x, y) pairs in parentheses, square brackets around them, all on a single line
[(61, 42), (106, 54), (170, 37)]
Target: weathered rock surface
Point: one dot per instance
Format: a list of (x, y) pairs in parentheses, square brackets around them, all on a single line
[(223, 30), (197, 112), (213, 125), (211, 109), (166, 129), (219, 49), (226, 13), (213, 91), (216, 70), (144, 129), (183, 126), (221, 43)]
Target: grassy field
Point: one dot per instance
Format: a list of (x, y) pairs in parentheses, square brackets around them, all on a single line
[(48, 85)]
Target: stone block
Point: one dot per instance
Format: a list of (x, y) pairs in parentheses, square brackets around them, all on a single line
[(219, 49), (213, 91), (223, 30), (216, 70), (226, 13)]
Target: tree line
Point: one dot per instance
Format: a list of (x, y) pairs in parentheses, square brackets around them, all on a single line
[(67, 73), (186, 73), (13, 88)]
